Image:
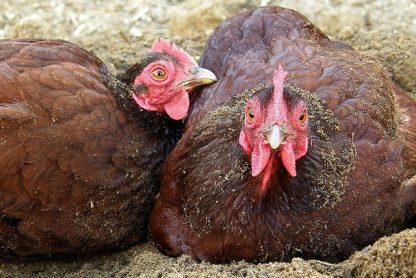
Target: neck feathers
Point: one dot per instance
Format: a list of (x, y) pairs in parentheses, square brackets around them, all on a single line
[(168, 130)]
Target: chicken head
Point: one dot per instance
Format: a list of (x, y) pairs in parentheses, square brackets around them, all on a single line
[(164, 84), (275, 125)]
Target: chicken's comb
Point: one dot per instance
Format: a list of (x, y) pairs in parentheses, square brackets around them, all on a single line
[(276, 107), (278, 79), (162, 46)]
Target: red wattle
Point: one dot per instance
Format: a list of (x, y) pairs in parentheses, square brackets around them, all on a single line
[(288, 158), (267, 173), (259, 157), (177, 107)]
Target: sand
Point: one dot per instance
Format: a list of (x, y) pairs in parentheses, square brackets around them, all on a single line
[(392, 256), (121, 32)]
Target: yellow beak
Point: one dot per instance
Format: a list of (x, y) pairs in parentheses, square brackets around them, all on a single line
[(198, 77)]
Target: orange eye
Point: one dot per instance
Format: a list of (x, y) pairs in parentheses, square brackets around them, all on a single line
[(303, 117), (250, 115), (159, 74)]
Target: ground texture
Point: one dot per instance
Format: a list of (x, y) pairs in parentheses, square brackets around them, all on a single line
[(119, 32)]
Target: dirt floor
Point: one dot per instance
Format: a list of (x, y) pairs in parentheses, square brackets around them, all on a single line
[(119, 32)]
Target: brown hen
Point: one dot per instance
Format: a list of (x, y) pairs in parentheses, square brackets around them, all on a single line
[(79, 162), (355, 183)]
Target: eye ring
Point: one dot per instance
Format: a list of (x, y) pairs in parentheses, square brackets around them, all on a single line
[(159, 74), (303, 117)]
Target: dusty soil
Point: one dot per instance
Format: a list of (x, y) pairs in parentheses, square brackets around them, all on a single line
[(389, 257), (119, 33)]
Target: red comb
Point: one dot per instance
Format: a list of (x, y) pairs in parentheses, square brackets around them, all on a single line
[(162, 46), (276, 104)]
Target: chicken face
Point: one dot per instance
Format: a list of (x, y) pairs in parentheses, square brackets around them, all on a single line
[(275, 125), (164, 85)]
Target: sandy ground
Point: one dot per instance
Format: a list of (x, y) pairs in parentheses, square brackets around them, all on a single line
[(121, 31)]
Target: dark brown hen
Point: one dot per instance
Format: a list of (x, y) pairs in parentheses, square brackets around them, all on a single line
[(355, 183), (79, 162)]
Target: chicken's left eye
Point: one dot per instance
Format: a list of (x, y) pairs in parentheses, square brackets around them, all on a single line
[(159, 74), (250, 115)]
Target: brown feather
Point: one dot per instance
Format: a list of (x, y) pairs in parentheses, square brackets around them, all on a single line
[(354, 185), (79, 161)]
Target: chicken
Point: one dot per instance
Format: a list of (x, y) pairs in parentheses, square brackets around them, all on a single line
[(80, 160), (304, 147)]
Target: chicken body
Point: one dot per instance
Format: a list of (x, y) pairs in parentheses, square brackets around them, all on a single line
[(79, 163), (356, 182)]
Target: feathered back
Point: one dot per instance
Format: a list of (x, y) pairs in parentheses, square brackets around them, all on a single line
[(272, 36)]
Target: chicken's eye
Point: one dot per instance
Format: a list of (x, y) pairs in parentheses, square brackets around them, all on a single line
[(303, 117), (159, 74), (250, 115)]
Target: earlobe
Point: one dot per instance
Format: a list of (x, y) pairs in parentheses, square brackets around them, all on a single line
[(177, 108)]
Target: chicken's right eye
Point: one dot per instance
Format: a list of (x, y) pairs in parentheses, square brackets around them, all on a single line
[(303, 117)]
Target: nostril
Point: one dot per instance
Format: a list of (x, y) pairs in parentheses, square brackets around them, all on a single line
[(194, 70), (266, 130)]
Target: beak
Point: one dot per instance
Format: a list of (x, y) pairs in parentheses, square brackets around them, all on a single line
[(275, 136), (197, 77)]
